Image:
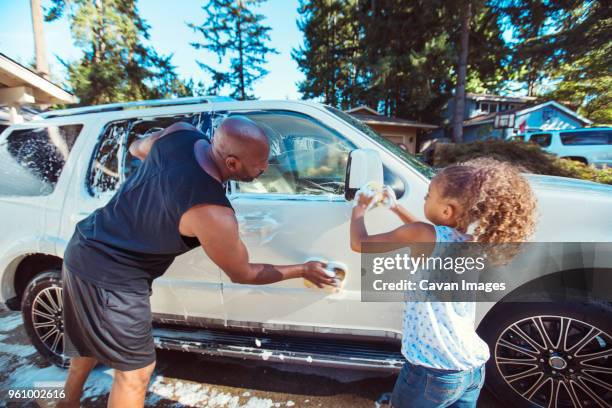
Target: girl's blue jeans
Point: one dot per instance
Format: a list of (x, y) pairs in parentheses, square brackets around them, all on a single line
[(422, 387)]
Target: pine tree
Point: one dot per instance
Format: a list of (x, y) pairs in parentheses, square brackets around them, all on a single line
[(565, 43), (235, 34), (331, 57), (116, 66), (399, 57)]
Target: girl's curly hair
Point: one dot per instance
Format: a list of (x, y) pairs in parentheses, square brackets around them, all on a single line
[(494, 195)]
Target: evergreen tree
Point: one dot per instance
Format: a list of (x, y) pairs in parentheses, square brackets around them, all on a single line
[(399, 57), (116, 66), (331, 57), (551, 37), (233, 32)]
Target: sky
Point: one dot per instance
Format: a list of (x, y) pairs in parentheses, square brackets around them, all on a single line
[(169, 34)]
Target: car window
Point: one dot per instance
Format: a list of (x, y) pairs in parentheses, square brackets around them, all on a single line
[(112, 163), (142, 127), (306, 157), (32, 160), (542, 139), (595, 137)]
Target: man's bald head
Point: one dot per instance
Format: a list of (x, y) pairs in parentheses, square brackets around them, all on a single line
[(242, 146)]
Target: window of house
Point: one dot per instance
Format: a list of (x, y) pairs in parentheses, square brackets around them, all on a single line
[(32, 160), (547, 114)]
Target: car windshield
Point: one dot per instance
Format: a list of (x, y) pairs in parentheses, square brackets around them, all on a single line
[(408, 158)]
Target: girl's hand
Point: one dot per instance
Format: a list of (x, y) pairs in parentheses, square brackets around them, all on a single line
[(389, 198), (363, 200)]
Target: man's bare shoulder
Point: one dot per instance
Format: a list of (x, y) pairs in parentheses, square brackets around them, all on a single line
[(208, 216)]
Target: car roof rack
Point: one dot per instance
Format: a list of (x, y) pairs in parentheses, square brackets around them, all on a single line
[(110, 107)]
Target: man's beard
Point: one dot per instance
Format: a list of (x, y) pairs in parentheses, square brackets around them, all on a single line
[(249, 179)]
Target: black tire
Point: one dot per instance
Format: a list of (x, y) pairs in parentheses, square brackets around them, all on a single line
[(43, 294), (526, 372)]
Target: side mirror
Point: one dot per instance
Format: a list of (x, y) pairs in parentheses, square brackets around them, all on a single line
[(364, 165)]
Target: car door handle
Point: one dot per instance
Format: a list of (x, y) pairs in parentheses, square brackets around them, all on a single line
[(258, 227)]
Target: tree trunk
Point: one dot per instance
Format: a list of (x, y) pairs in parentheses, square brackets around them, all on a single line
[(461, 75), (42, 66), (240, 51)]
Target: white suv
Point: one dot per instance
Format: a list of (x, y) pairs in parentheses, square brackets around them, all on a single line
[(57, 170)]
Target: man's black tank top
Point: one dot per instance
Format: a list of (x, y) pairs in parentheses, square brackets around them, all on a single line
[(135, 237)]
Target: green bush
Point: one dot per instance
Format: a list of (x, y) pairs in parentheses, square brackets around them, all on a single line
[(529, 156)]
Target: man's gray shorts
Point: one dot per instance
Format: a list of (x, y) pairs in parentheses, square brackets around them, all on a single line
[(112, 326)]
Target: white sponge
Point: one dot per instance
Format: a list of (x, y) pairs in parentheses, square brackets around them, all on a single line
[(377, 190)]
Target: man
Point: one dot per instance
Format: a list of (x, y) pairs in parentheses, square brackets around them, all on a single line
[(173, 203)]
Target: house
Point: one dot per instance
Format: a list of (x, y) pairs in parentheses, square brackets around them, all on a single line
[(483, 104), (400, 131), (21, 88), (528, 118), (496, 116)]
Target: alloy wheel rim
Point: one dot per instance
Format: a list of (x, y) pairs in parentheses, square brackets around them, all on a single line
[(47, 320), (556, 361)]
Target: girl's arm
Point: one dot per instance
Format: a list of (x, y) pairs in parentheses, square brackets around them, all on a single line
[(411, 233), (405, 215)]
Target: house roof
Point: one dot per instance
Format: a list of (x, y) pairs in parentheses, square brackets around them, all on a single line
[(363, 109), (385, 120), (15, 75), (500, 98), (371, 117), (490, 117)]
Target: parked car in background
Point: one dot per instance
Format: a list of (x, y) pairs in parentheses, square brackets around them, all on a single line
[(588, 145), (56, 171)]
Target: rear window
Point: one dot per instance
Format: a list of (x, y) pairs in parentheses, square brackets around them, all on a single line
[(595, 137), (542, 139), (32, 160)]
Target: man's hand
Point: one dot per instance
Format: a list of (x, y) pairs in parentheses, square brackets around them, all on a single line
[(314, 271), (140, 148)]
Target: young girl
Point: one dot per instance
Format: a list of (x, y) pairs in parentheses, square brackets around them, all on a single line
[(445, 357)]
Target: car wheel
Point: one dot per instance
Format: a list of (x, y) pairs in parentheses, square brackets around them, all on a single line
[(41, 308), (550, 354)]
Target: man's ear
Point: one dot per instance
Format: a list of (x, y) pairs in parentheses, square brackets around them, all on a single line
[(231, 162)]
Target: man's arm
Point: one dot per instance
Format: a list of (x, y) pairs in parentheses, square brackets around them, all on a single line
[(140, 148), (216, 228)]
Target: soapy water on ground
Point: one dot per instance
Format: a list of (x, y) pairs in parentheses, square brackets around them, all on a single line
[(185, 379)]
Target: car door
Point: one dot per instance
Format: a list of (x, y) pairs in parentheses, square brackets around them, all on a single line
[(296, 211), (191, 286)]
